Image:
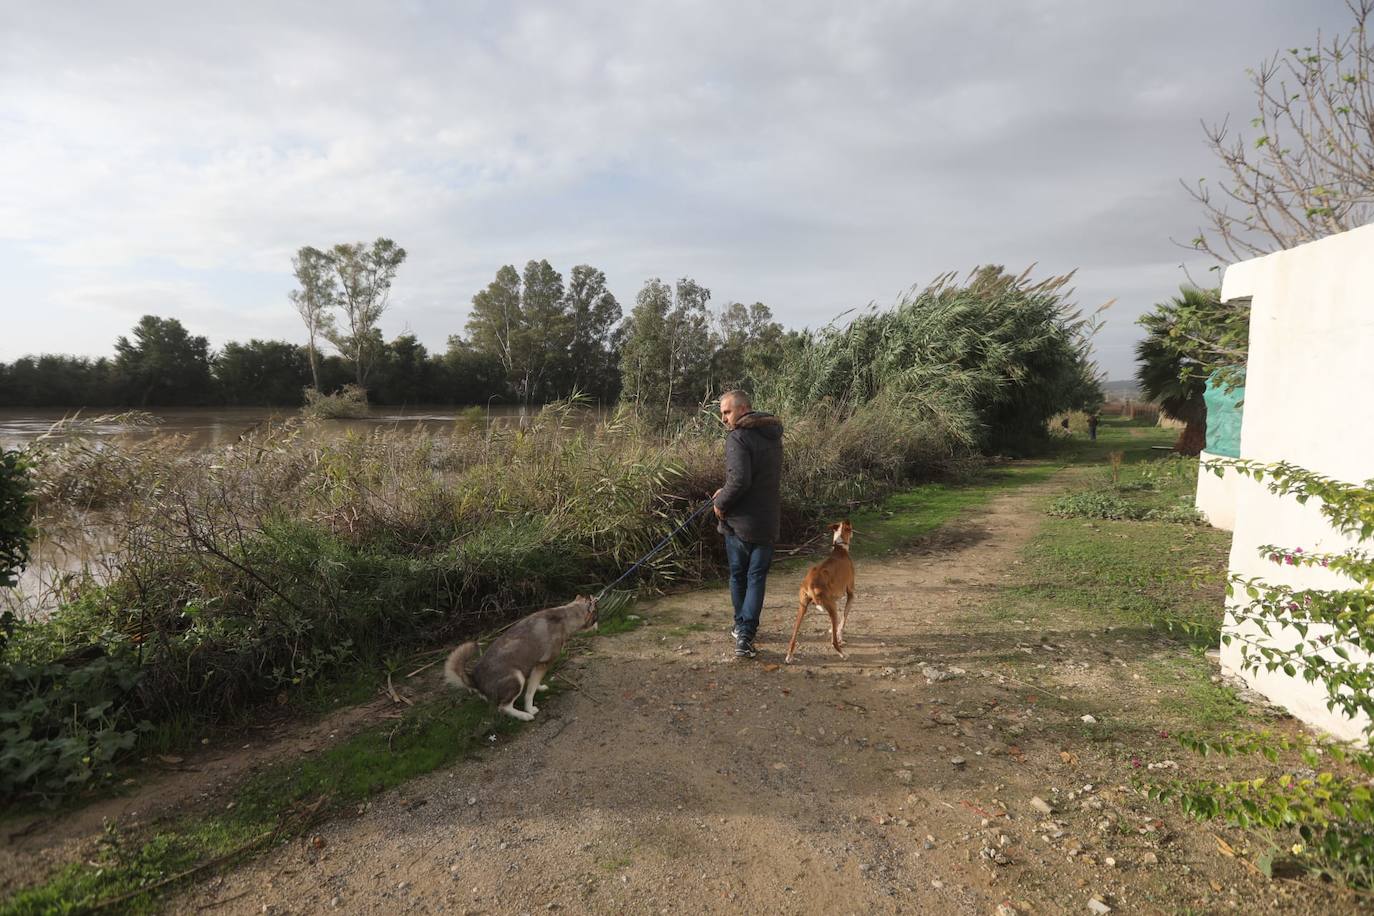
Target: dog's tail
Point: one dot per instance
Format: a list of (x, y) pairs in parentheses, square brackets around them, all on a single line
[(456, 668)]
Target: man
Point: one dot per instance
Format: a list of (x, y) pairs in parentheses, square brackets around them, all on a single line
[(749, 508), (1092, 427)]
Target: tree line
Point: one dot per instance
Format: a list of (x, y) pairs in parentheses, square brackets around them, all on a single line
[(531, 337)]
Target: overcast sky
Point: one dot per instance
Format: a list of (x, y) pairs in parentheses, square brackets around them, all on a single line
[(168, 158)]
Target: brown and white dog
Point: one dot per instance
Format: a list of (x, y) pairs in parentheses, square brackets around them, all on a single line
[(824, 584), (519, 658)]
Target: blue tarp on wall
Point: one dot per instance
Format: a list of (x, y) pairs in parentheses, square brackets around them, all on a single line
[(1224, 410)]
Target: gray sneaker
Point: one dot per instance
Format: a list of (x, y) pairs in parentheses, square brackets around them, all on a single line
[(734, 633), (744, 648)]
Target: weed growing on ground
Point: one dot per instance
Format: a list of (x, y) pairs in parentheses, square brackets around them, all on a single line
[(1158, 490)]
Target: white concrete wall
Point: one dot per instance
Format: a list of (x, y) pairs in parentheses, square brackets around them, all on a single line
[(1216, 496), (1309, 387)]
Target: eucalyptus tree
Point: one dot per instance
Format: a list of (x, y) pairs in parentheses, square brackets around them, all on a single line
[(666, 355), (364, 276), (643, 354), (749, 345), (522, 322), (495, 323), (594, 312), (314, 300), (548, 331)]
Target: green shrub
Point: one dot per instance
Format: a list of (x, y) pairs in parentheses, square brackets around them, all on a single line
[(347, 403), (990, 360), (1109, 504), (63, 722), (16, 516)]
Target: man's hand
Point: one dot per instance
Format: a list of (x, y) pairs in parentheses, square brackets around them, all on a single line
[(719, 514)]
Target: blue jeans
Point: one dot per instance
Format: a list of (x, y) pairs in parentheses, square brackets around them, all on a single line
[(748, 574)]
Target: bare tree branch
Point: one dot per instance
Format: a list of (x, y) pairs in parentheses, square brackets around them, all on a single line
[(1309, 172)]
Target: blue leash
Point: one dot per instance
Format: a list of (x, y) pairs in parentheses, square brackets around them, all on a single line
[(657, 547)]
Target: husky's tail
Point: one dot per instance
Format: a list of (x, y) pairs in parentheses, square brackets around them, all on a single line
[(456, 668)]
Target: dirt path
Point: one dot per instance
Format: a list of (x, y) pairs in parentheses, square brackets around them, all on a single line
[(677, 779)]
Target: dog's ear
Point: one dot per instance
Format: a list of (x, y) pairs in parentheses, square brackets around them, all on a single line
[(834, 526)]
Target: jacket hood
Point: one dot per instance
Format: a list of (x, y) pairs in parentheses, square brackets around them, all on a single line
[(763, 423)]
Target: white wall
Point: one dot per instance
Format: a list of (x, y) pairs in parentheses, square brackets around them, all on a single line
[(1216, 496), (1309, 387)]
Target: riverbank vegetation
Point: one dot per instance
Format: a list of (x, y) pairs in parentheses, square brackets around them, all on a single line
[(256, 572)]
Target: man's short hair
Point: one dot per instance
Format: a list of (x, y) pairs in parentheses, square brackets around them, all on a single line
[(739, 396)]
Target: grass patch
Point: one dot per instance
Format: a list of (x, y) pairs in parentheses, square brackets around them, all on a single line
[(621, 622), (429, 736), (1143, 568), (905, 517), (1137, 441), (1112, 573), (1145, 591), (1190, 693)]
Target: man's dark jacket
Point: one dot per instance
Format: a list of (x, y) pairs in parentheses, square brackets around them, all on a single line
[(751, 498)]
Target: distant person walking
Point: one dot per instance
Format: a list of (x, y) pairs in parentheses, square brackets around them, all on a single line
[(1092, 427), (749, 509)]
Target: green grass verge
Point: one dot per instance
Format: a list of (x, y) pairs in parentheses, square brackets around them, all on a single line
[(906, 517), (429, 736), (1104, 572), (1136, 440), (1147, 580)]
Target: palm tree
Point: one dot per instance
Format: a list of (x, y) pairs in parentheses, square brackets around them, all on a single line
[(1169, 376)]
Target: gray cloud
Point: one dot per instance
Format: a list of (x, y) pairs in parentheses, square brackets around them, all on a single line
[(813, 156)]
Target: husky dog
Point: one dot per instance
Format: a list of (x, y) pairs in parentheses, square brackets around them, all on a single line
[(518, 659)]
